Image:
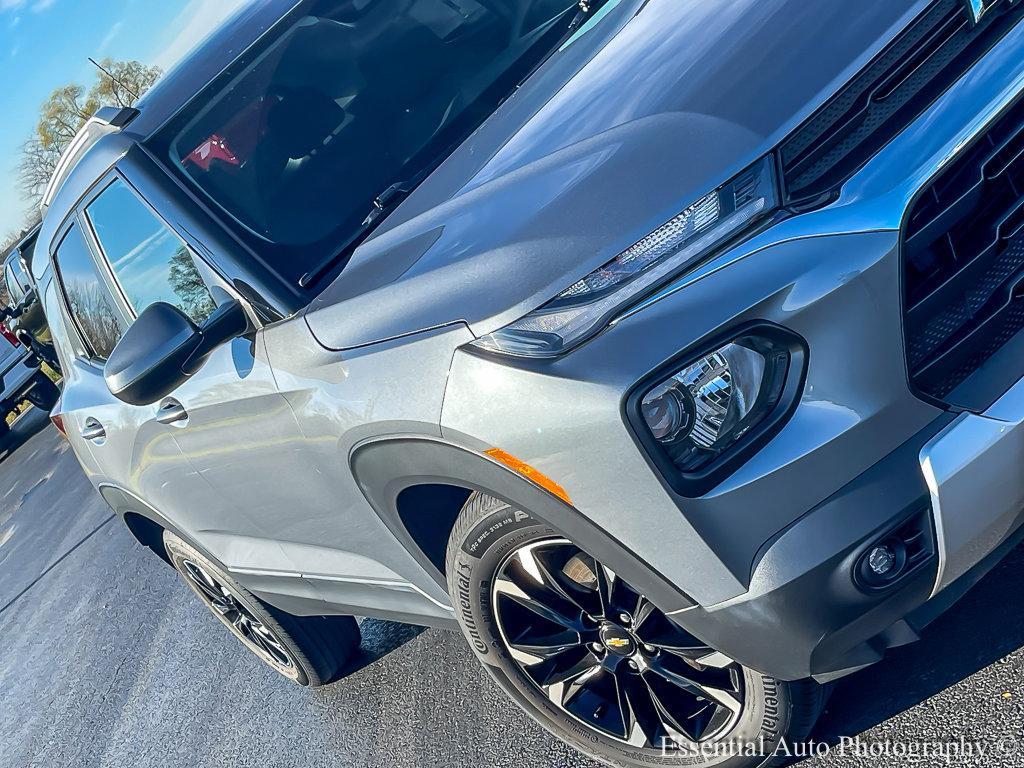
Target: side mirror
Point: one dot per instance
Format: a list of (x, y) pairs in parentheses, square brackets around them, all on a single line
[(163, 347)]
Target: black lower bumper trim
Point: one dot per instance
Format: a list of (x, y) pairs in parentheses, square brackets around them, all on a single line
[(805, 615)]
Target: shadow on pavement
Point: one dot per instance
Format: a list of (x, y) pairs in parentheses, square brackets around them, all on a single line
[(379, 639), (984, 627), (28, 425)]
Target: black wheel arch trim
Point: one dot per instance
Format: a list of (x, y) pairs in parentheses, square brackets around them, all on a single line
[(125, 503), (384, 467)]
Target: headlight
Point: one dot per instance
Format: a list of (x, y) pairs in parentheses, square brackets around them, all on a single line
[(584, 307), (707, 414)]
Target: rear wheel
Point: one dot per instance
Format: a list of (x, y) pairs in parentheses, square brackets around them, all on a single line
[(310, 650), (597, 664)]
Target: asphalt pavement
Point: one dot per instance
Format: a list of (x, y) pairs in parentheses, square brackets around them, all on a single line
[(107, 660)]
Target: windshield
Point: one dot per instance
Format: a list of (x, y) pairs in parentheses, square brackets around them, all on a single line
[(342, 100)]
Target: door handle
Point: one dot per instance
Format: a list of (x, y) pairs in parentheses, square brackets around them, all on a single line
[(171, 411), (93, 430)]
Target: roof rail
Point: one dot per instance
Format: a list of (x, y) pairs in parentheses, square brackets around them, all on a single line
[(106, 120)]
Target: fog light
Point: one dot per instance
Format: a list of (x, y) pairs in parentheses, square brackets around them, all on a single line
[(894, 556), (882, 560), (884, 564)]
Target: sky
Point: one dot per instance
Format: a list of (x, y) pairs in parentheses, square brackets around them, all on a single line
[(45, 44)]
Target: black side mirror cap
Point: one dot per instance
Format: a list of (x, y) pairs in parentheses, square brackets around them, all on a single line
[(163, 347), (228, 321)]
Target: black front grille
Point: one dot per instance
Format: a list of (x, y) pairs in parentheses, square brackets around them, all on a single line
[(889, 94), (963, 263)]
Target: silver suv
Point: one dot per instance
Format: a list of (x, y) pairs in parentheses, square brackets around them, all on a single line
[(672, 351)]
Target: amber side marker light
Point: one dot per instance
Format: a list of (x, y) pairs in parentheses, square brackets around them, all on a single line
[(531, 474), (57, 419)]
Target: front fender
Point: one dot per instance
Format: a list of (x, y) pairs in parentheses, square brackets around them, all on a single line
[(385, 467)]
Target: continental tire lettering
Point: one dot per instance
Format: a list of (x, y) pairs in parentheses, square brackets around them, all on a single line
[(466, 608), (770, 720)]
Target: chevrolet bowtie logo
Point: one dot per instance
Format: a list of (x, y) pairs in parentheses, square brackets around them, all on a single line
[(978, 8), (616, 642)]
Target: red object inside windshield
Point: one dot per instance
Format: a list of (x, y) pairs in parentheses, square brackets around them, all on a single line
[(214, 148)]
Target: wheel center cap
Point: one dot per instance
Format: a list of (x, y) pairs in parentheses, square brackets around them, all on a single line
[(617, 640)]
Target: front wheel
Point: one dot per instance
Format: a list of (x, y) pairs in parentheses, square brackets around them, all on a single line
[(309, 650), (597, 664)]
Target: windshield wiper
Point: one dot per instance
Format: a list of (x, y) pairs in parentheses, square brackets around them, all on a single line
[(387, 200), (382, 204)]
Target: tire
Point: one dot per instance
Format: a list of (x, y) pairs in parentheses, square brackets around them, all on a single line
[(484, 558), (44, 393), (309, 650)]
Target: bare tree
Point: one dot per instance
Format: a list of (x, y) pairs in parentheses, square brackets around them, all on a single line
[(32, 218), (118, 83), (121, 83), (37, 164), (95, 316), (189, 288)]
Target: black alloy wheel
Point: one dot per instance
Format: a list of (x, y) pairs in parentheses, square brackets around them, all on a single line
[(240, 620), (602, 653), (308, 650)]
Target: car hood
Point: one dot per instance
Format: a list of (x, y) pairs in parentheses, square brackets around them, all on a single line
[(651, 107)]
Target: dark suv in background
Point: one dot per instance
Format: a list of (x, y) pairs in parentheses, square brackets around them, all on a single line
[(25, 312), (673, 351), (27, 339)]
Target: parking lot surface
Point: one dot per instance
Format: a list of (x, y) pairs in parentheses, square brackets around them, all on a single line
[(106, 660)]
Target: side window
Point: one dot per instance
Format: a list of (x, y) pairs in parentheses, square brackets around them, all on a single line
[(8, 289), (20, 275), (87, 299), (15, 283), (148, 260)]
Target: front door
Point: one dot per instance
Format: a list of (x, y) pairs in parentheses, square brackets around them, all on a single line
[(116, 444), (228, 420)]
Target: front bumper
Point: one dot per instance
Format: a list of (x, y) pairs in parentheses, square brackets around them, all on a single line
[(964, 471), (806, 616), (974, 469)]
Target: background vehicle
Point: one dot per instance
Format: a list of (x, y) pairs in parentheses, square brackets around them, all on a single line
[(670, 350), (19, 287), (21, 379), (24, 315)]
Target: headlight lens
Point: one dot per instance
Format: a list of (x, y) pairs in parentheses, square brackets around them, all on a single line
[(710, 405), (582, 309)]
